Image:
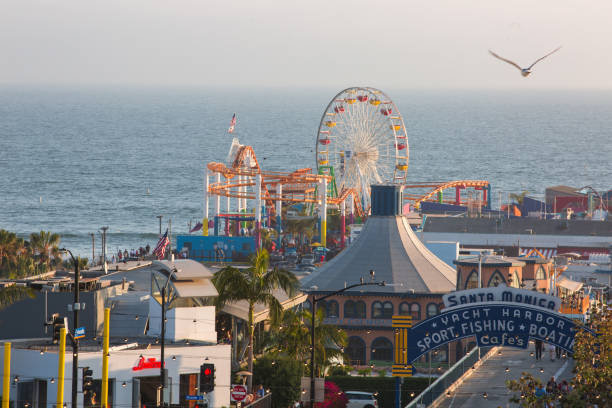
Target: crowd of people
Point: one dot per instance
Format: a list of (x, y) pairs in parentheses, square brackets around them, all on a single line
[(133, 254)]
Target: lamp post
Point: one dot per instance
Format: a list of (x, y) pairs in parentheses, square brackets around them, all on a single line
[(75, 342), (313, 309), (160, 218), (162, 370)]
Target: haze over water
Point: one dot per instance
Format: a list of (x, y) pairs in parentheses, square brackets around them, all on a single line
[(73, 160)]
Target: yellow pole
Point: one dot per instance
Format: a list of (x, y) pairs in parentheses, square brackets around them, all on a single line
[(61, 354), (6, 383), (105, 358)]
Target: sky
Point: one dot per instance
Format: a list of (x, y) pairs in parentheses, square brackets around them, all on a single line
[(436, 44)]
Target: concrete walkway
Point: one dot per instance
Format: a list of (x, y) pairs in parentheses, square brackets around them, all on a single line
[(491, 376)]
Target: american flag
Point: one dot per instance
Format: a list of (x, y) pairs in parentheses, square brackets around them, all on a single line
[(160, 248), (232, 124)]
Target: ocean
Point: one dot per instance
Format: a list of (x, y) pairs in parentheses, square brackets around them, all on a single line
[(75, 159)]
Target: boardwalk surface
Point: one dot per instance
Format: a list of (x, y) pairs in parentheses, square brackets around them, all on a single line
[(490, 377)]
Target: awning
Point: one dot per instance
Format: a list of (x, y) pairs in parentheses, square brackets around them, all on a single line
[(241, 309), (569, 284), (196, 288)]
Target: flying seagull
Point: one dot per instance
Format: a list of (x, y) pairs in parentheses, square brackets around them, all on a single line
[(524, 71)]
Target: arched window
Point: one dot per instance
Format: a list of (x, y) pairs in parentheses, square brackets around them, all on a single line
[(356, 350), (377, 310), (333, 309), (360, 309), (415, 311), (382, 349), (349, 309), (387, 310), (472, 280), (496, 279), (432, 310), (404, 309), (540, 273), (355, 310), (323, 305)]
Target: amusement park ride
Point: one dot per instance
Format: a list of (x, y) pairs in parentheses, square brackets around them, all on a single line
[(361, 140)]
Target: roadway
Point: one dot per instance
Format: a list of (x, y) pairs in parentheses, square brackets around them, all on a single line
[(491, 376)]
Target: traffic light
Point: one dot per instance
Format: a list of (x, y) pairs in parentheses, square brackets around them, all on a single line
[(58, 324), (87, 380), (207, 377)]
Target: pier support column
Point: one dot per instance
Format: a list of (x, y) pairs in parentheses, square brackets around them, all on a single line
[(487, 196), (258, 211), (206, 198), (227, 220), (323, 212), (279, 211), (343, 223)]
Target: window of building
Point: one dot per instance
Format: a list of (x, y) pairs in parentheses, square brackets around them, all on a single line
[(360, 309), (415, 311), (377, 310), (472, 280), (432, 310), (404, 309), (382, 349), (333, 309), (355, 350), (349, 309), (32, 394), (355, 309), (387, 310), (496, 279), (540, 273), (322, 305)]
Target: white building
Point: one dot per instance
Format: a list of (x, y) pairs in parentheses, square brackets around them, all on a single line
[(134, 362)]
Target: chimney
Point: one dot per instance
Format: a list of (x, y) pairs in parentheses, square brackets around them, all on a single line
[(386, 200)]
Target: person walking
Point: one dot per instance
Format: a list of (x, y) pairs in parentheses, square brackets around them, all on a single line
[(558, 352), (551, 351), (538, 349)]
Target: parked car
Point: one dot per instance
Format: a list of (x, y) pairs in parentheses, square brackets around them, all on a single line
[(359, 399), (308, 259)]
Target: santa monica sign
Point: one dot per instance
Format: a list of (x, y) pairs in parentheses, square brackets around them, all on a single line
[(498, 316)]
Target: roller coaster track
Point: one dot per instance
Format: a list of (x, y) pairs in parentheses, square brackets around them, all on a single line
[(440, 186)]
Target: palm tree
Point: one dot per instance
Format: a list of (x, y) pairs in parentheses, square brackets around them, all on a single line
[(45, 246), (293, 338), (519, 198), (254, 284), (10, 247)]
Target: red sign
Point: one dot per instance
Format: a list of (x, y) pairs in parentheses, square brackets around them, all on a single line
[(146, 363), (239, 392)]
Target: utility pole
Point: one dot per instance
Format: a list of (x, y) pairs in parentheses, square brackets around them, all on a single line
[(76, 306), (160, 218), (169, 238), (93, 248), (104, 229)]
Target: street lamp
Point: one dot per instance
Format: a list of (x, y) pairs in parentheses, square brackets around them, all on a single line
[(75, 342), (160, 218), (313, 309), (162, 370)]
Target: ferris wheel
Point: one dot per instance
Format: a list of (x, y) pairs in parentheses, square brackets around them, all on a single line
[(362, 141)]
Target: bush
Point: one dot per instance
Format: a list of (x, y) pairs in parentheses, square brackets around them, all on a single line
[(282, 375), (384, 386), (334, 397)]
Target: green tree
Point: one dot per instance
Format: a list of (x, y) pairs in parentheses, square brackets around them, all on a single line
[(11, 247), (45, 246), (255, 284), (526, 386), (519, 198), (293, 339), (280, 374)]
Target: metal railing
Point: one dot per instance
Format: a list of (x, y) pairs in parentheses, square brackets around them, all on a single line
[(446, 380), (263, 402)]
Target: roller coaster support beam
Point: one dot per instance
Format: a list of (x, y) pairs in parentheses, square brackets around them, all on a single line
[(323, 212), (279, 208), (457, 195), (206, 198), (257, 211), (487, 196), (218, 207), (227, 221), (343, 224), (352, 210)]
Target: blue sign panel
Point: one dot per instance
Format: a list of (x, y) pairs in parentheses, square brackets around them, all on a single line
[(194, 397), (493, 324), (79, 332)]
